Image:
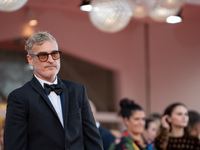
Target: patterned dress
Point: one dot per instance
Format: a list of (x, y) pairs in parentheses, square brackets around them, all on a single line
[(128, 143), (164, 142)]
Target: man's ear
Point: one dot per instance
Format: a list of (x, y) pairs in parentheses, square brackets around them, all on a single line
[(30, 59)]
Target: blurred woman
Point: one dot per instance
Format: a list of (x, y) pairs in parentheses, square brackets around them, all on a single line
[(173, 135), (151, 129), (134, 119), (157, 118)]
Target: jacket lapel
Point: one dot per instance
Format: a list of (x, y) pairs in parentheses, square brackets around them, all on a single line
[(65, 103), (37, 86)]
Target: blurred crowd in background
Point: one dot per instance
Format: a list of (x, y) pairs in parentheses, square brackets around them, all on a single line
[(176, 129)]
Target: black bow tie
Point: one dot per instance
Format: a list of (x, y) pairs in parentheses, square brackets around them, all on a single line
[(54, 87)]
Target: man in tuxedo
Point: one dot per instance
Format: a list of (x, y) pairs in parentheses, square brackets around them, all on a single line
[(49, 113)]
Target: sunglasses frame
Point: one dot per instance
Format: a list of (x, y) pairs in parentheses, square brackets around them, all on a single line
[(53, 52)]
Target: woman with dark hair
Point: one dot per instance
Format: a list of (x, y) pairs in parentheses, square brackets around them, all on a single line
[(173, 135), (134, 119)]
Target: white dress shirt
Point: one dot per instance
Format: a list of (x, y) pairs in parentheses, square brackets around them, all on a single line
[(54, 98)]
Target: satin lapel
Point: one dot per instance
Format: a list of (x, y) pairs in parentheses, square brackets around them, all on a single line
[(62, 98), (37, 86), (65, 101)]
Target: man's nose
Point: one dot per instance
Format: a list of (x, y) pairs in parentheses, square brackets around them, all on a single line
[(50, 58)]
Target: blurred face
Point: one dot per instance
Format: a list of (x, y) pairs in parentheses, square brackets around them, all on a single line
[(151, 132), (45, 70), (179, 117), (135, 124)]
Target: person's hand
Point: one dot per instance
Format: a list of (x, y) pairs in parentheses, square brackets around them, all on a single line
[(164, 122)]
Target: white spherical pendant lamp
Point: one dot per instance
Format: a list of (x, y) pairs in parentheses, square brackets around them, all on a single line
[(110, 15), (171, 4), (160, 14), (141, 8), (11, 5)]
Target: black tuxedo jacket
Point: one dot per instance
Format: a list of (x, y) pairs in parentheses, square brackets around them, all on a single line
[(33, 124)]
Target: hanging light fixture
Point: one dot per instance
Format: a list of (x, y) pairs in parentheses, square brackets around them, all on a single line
[(114, 15), (110, 15), (171, 4), (85, 6), (141, 8), (175, 19), (11, 5), (160, 14)]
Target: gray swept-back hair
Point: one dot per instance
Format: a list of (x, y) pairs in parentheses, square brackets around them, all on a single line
[(38, 38)]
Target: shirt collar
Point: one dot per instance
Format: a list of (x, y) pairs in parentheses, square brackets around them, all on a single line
[(43, 81)]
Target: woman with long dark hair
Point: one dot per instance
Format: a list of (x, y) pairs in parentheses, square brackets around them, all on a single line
[(173, 135), (134, 119)]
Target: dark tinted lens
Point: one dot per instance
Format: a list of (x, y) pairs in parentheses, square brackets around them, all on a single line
[(55, 54), (43, 56)]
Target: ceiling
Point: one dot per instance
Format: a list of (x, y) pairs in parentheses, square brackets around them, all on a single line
[(76, 3)]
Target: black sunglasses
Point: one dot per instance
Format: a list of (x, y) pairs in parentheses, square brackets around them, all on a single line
[(44, 56)]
